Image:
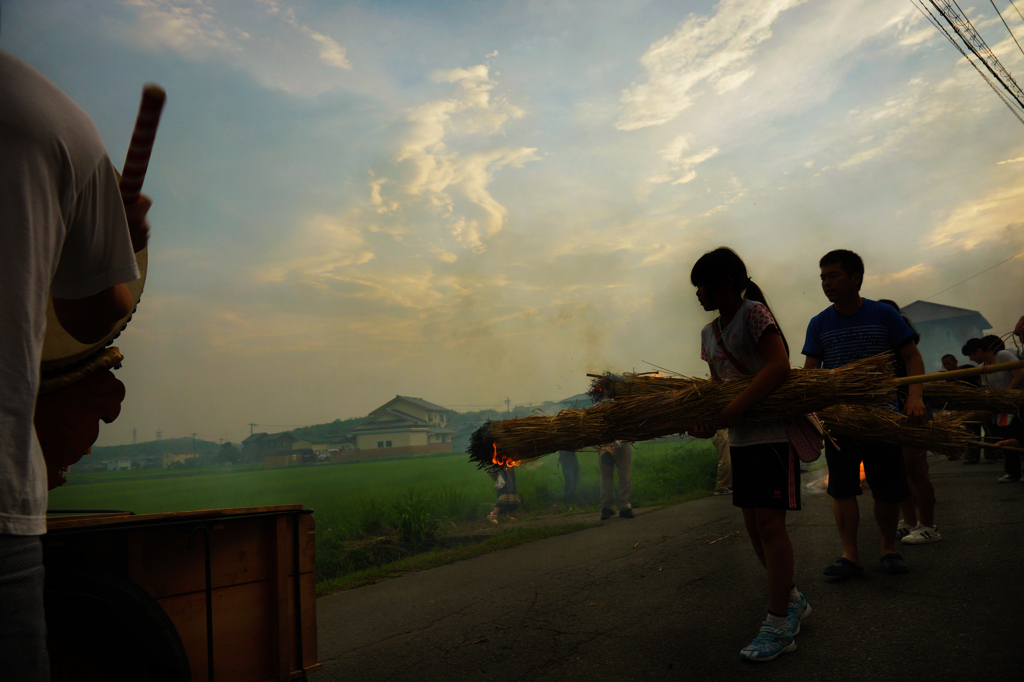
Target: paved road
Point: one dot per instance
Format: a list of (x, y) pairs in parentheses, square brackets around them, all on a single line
[(676, 593)]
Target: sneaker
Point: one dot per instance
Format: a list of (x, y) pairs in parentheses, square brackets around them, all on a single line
[(723, 491), (903, 529), (606, 514), (770, 643), (1007, 478), (922, 534), (798, 610), (626, 512)]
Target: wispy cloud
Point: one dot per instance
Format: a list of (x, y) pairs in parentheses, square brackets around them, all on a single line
[(472, 110), (717, 49), (274, 46)]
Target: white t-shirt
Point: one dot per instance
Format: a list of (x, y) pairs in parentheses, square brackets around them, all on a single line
[(741, 336), (62, 228), (1000, 380)]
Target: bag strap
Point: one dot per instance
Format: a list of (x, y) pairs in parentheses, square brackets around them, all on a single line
[(736, 363)]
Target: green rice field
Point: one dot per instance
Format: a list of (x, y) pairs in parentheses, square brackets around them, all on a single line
[(417, 500)]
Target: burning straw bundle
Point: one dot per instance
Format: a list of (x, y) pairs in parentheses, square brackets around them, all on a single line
[(656, 414), (944, 434), (956, 395)]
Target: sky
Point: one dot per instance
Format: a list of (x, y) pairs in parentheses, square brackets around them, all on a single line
[(467, 202)]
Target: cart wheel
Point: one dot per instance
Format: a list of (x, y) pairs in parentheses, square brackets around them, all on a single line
[(105, 627)]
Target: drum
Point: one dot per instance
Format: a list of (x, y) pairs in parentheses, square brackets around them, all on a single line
[(61, 352)]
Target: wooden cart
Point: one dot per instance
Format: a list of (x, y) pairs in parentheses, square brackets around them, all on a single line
[(217, 595)]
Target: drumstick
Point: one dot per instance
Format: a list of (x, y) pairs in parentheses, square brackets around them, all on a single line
[(141, 146)]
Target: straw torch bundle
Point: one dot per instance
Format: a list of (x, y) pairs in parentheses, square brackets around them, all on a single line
[(665, 412), (945, 434), (961, 396)]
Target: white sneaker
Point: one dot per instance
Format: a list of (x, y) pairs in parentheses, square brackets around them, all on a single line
[(903, 529), (922, 534), (1006, 478)]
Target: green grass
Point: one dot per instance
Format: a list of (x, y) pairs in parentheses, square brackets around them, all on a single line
[(371, 514)]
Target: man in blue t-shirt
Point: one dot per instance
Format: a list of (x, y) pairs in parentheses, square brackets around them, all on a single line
[(850, 329)]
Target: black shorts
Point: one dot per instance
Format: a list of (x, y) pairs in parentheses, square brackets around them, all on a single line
[(883, 468), (766, 476)]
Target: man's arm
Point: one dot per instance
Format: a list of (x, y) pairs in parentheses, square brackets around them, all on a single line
[(811, 362), (90, 319), (915, 366)]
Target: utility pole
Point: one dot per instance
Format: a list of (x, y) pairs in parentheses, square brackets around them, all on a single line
[(508, 405), (135, 438), (193, 443), (159, 434), (251, 427)]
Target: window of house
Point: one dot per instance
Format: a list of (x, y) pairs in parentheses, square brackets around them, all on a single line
[(389, 444), (380, 444)]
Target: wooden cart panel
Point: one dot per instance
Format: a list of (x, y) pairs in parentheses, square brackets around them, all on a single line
[(252, 557)]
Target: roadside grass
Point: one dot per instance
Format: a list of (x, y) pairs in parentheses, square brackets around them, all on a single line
[(442, 556), (373, 515)]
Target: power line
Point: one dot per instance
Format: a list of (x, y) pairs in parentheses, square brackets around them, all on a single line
[(1015, 7), (973, 276), (965, 24), (1006, 25)]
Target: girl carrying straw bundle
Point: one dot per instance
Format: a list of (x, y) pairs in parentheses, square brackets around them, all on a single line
[(745, 339)]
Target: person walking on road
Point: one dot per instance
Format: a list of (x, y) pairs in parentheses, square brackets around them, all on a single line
[(745, 339), (616, 456), (990, 350), (850, 329), (723, 479), (570, 463), (917, 527)]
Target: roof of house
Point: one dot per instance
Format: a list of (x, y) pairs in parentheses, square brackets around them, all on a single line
[(415, 401), (924, 311), (255, 437)]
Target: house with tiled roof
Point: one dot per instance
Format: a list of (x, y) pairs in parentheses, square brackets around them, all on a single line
[(404, 426), (944, 329), (261, 445)]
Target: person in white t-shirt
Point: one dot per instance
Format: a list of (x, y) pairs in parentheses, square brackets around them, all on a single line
[(745, 339), (990, 350), (64, 232)]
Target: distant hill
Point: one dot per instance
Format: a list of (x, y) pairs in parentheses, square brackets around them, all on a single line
[(152, 448), (338, 427)]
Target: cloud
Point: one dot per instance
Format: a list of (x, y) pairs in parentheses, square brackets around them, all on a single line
[(320, 250), (980, 219), (269, 45), (471, 110), (717, 49)]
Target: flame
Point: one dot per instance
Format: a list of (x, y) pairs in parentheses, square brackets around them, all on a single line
[(504, 461)]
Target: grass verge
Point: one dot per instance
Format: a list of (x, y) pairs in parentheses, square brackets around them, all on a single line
[(440, 557)]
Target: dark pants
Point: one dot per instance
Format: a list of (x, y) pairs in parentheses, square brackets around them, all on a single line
[(1011, 458), (22, 623), (570, 464)]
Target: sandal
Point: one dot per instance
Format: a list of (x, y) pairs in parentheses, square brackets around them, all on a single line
[(844, 568), (893, 564), (493, 518)]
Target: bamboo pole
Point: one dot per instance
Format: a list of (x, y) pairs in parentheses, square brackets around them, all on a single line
[(992, 446), (960, 373)]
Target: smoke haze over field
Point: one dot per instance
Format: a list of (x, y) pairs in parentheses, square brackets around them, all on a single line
[(469, 201)]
